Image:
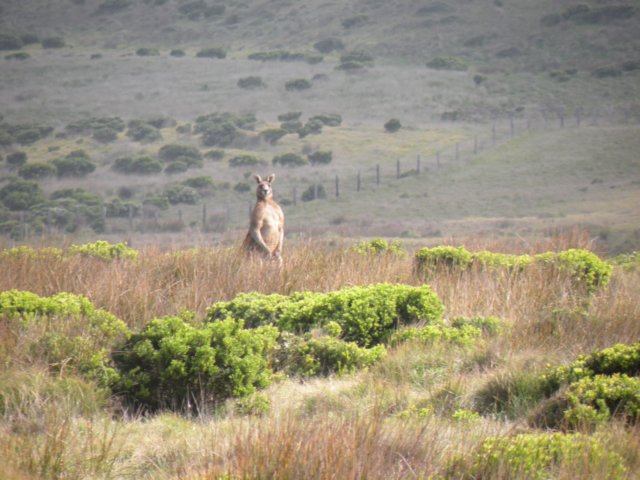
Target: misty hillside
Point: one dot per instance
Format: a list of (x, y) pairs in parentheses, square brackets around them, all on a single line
[(512, 117)]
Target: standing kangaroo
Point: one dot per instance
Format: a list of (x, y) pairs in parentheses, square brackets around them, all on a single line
[(266, 228)]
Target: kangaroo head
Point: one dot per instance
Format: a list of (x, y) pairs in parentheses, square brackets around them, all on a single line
[(264, 191)]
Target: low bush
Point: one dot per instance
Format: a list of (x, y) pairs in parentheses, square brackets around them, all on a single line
[(104, 250), (355, 21), (143, 132), (178, 53), (172, 152), (392, 125), (172, 363), (312, 127), (178, 194), (324, 355), (272, 135), (328, 45), (65, 331), (448, 63), (289, 160), (367, 315), (289, 116), (10, 41), (147, 52), (379, 246), (53, 42), (105, 134), (18, 56), (112, 6), (212, 52), (607, 71), (221, 129), (250, 83), (17, 159), (21, 195), (245, 161), (75, 164), (92, 124), (464, 335), (37, 171), (142, 165), (359, 56), (539, 456), (320, 157), (330, 120), (583, 267), (314, 192), (297, 84), (30, 38)]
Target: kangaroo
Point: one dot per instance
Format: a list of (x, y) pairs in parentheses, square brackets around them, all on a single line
[(266, 228)]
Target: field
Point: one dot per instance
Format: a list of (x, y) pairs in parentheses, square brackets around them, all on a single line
[(505, 132)]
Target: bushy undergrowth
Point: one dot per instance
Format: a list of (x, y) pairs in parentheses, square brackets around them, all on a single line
[(380, 246), (582, 266), (367, 315), (104, 250)]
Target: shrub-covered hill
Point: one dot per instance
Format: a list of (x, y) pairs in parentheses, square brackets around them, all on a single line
[(559, 35)]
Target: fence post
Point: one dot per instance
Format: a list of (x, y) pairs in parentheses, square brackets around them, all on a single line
[(511, 125), (204, 216), (438, 159), (378, 175), (493, 133), (457, 151), (295, 196), (398, 168), (418, 164), (475, 145), (337, 186), (130, 218), (358, 182)]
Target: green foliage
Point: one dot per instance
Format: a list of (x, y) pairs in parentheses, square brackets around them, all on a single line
[(21, 195), (448, 63), (37, 171), (392, 125), (538, 456), (211, 52), (177, 194), (272, 135), (289, 116), (464, 335), (355, 21), (582, 266), (105, 135), (320, 157), (53, 42), (255, 405), (328, 45), (18, 56), (628, 261), (367, 315), (221, 129), (251, 82), (297, 85), (285, 56), (104, 250), (593, 400), (380, 246), (311, 127), (177, 52), (143, 132), (357, 56), (487, 325), (290, 160), (330, 120), (147, 52), (17, 159), (173, 363), (142, 165), (245, 161), (10, 41), (607, 71), (24, 134), (93, 124), (112, 6), (324, 355), (188, 153), (64, 330), (75, 164), (314, 192)]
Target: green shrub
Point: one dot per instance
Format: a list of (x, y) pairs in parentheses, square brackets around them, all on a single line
[(245, 161), (582, 266), (65, 330), (201, 183), (21, 195), (18, 56), (104, 250), (143, 132), (212, 52), (242, 187), (354, 21), (17, 159), (321, 157), (448, 63), (112, 6), (172, 152), (53, 42), (627, 261), (29, 38), (539, 455), (330, 120), (9, 41), (37, 171), (142, 165), (392, 125), (358, 56), (289, 116), (325, 355), (181, 194), (221, 129), (367, 315), (92, 124), (289, 160), (311, 127), (328, 45), (215, 155), (173, 363), (380, 246), (297, 84), (463, 335), (105, 134), (607, 71), (6, 138), (75, 164), (251, 83), (147, 52), (178, 53), (430, 259), (272, 135)]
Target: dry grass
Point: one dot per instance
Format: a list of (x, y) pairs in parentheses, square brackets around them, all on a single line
[(346, 428)]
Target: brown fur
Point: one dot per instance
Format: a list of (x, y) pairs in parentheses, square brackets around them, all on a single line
[(266, 228)]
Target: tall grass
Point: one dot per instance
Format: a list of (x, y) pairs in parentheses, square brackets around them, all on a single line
[(403, 418)]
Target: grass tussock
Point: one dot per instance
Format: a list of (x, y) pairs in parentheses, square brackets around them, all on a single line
[(432, 407)]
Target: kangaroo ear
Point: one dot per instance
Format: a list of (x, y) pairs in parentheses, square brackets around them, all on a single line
[(258, 178), (271, 178)]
